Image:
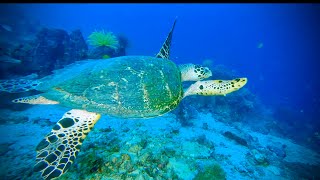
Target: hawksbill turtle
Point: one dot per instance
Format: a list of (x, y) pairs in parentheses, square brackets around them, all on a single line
[(125, 87)]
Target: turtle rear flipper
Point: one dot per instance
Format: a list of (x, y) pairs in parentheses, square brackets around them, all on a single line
[(58, 150), (35, 99), (18, 85)]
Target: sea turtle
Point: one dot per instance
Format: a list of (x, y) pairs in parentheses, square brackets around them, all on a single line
[(126, 87)]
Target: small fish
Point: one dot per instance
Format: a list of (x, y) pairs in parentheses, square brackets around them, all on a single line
[(6, 27), (8, 59), (260, 45), (261, 77), (31, 76)]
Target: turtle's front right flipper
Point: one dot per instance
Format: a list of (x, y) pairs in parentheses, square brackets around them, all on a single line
[(215, 87), (58, 150)]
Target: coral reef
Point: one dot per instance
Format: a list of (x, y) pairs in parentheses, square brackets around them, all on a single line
[(105, 56), (157, 148), (123, 44), (49, 49), (119, 159), (107, 45), (185, 113), (236, 138), (259, 158), (102, 38), (42, 50), (77, 49), (211, 172), (104, 44), (203, 140)]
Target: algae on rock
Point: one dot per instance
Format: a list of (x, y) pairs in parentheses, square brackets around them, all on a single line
[(214, 172)]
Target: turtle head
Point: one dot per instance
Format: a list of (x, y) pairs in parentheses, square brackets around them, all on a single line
[(202, 72), (194, 72)]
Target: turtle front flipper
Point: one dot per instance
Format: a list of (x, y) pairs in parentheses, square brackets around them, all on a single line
[(215, 87), (164, 52), (58, 150)]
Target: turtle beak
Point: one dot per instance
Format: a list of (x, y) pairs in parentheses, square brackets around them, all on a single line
[(208, 72)]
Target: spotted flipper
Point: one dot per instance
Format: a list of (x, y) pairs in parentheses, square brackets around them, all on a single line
[(36, 99), (215, 87), (192, 72), (58, 150), (164, 52), (18, 85)]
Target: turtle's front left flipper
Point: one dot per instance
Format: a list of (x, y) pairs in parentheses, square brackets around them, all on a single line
[(58, 150), (164, 52), (215, 87)]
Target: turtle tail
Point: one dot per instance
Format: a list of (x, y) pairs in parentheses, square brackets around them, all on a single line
[(18, 85)]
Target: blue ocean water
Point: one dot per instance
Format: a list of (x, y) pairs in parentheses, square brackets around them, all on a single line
[(274, 45), (228, 33)]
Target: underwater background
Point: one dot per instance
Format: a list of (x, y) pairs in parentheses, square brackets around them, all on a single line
[(270, 129)]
